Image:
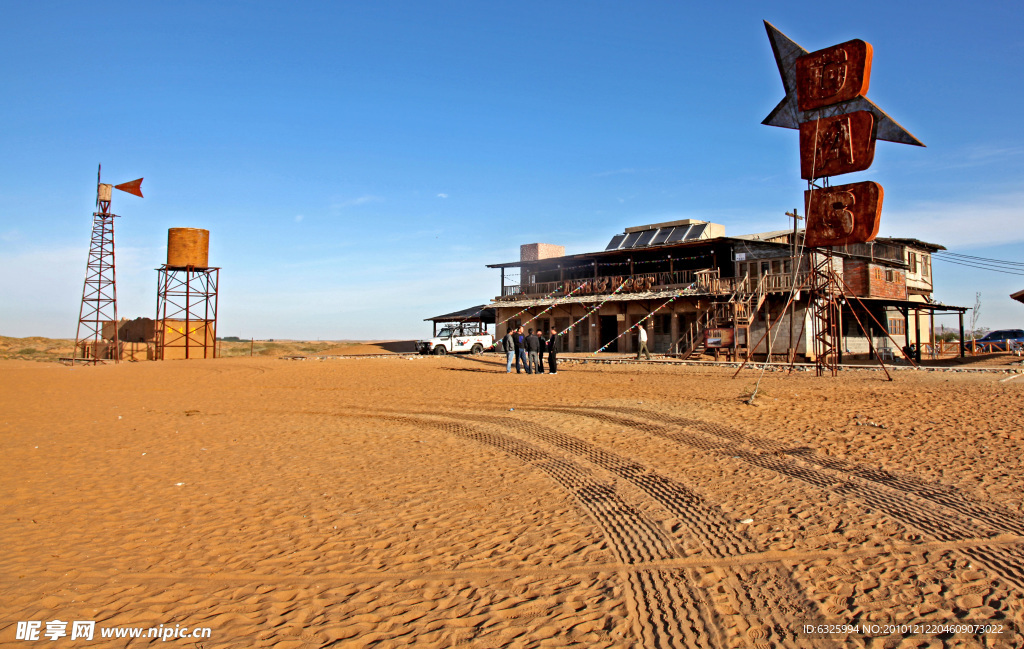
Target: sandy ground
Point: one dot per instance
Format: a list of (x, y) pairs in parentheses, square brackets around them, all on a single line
[(439, 502)]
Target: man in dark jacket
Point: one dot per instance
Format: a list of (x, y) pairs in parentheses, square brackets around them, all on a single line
[(519, 341), (533, 347), (552, 349)]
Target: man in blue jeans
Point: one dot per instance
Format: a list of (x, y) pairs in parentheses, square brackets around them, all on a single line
[(520, 342), (510, 350)]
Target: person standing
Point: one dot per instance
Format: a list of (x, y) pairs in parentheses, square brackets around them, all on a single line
[(643, 343), (543, 348), (553, 352), (533, 347), (509, 346), (520, 346)]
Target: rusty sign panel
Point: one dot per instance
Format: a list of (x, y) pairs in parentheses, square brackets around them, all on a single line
[(718, 338), (844, 214), (833, 75), (837, 145)]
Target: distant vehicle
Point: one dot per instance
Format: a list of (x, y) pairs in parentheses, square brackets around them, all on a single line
[(1000, 340), (456, 339)]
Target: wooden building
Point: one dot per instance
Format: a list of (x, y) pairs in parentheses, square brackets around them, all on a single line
[(709, 292)]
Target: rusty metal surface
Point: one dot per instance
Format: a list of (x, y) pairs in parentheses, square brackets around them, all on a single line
[(787, 113), (188, 247), (837, 145), (832, 75), (131, 187), (843, 214)]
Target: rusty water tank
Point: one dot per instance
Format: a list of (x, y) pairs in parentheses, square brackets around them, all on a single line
[(188, 247)]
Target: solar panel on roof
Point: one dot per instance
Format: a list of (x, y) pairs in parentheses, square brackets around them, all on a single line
[(679, 234), (631, 239), (662, 236), (616, 242), (696, 231), (645, 238)]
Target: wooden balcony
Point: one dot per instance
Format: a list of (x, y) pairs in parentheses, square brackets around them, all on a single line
[(702, 282)]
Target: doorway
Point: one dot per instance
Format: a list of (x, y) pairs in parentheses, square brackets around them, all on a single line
[(609, 332)]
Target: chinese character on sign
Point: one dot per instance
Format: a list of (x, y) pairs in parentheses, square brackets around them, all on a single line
[(838, 73), (843, 214), (837, 145), (28, 630), (82, 629), (56, 629)]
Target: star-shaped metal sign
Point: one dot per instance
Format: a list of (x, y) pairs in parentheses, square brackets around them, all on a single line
[(787, 115)]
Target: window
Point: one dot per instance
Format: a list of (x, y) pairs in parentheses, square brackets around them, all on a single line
[(890, 275), (913, 262), (896, 326), (926, 262)]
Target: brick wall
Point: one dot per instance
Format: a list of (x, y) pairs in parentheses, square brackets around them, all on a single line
[(536, 251), (887, 282), (855, 274)]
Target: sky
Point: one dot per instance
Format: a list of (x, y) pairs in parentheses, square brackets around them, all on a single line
[(359, 163)]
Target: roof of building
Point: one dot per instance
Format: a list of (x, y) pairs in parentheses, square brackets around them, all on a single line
[(663, 236), (766, 236), (1019, 296), (916, 243), (481, 313)]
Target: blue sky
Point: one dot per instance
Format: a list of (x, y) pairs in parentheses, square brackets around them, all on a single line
[(358, 163)]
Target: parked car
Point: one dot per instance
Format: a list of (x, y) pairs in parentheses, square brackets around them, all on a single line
[(455, 339), (1000, 340)]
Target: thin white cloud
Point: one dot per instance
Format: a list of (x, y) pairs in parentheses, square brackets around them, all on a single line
[(992, 153), (298, 218), (442, 195), (353, 202), (614, 172), (988, 220)]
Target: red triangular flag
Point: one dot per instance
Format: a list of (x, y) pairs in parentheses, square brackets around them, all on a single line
[(132, 187)]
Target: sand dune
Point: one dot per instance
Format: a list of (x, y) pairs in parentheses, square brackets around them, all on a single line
[(437, 502)]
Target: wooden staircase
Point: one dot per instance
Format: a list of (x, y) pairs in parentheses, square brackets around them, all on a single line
[(737, 313)]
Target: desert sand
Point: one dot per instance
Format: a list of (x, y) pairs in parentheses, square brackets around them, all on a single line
[(437, 502)]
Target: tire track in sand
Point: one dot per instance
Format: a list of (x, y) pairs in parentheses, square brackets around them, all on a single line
[(667, 611), (764, 592), (998, 518), (908, 507)]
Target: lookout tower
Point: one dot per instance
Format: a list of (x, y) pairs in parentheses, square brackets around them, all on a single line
[(186, 297)]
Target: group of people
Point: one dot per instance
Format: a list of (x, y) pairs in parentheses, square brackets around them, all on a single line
[(529, 349)]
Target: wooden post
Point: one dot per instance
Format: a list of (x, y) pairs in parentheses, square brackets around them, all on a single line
[(503, 281), (673, 329), (917, 335), (931, 322), (906, 326), (961, 334)]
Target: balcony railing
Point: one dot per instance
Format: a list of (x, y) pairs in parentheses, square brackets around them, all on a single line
[(634, 283), (706, 282)]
